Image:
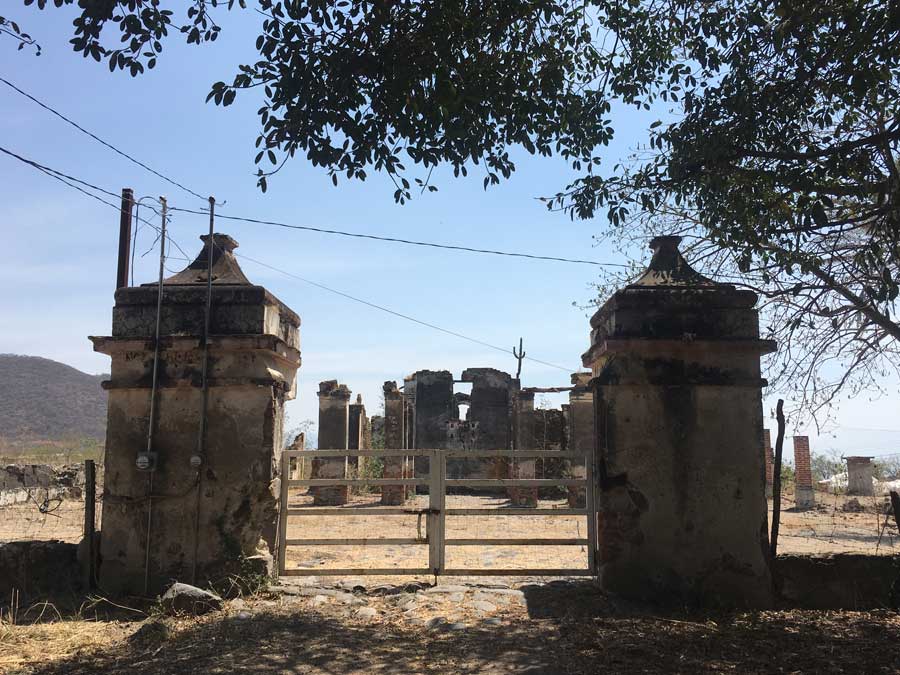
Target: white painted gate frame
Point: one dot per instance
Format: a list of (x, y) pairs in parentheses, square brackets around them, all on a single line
[(436, 512)]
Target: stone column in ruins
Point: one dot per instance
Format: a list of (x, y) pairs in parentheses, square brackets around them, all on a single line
[(804, 495), (580, 425), (394, 439), (524, 497), (859, 476), (194, 506), (680, 482), (357, 435), (770, 463), (334, 422)]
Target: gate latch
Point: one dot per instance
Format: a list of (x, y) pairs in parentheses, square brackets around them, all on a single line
[(419, 513)]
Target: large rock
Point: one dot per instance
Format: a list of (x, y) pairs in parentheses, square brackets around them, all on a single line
[(187, 599)]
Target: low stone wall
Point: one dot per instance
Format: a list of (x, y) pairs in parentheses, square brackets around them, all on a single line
[(39, 568), (840, 581), (19, 481)]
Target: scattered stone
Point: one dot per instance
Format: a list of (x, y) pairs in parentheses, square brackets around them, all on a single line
[(285, 590), (493, 621), (151, 633), (504, 591), (435, 622), (484, 606), (456, 597), (853, 506), (408, 606), (416, 621), (237, 603), (319, 600), (367, 613), (244, 615), (184, 598), (446, 589), (385, 589), (414, 586), (456, 626)]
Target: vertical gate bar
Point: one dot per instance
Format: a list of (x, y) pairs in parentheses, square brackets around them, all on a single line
[(442, 510), (432, 523), (591, 509), (282, 512)]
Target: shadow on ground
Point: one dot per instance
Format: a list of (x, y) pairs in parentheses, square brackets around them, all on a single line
[(569, 628)]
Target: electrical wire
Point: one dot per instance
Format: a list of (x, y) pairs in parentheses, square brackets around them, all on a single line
[(66, 178), (397, 240), (395, 313), (100, 140)]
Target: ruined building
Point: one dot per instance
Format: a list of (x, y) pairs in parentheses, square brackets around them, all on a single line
[(190, 461)]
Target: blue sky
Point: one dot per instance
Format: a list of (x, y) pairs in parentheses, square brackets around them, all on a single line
[(59, 253)]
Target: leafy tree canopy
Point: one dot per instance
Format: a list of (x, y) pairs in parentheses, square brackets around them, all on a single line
[(781, 163)]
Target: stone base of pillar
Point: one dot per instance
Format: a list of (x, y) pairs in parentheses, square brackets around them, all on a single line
[(523, 497), (333, 495), (395, 495), (577, 497), (804, 498)]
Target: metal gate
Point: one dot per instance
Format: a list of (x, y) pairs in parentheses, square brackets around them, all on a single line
[(436, 512)]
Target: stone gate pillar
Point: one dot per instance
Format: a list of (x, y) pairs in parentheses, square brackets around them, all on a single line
[(681, 482), (334, 434), (189, 513), (804, 494)]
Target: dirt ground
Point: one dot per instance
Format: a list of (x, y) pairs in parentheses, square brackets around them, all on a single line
[(539, 629)]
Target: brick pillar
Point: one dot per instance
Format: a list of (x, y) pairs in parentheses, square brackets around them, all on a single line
[(334, 422), (804, 496), (524, 468), (770, 463), (394, 467), (859, 476), (580, 433)]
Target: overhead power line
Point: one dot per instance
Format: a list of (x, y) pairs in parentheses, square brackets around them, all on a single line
[(71, 181), (100, 140), (397, 240), (407, 317)]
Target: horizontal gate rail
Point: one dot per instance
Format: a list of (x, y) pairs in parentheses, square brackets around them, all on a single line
[(352, 511), (518, 572), (322, 482), (513, 482), (512, 454), (365, 541), (515, 542), (356, 572), (357, 453), (502, 511)]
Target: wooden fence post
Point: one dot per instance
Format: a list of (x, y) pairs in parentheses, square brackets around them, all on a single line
[(90, 496)]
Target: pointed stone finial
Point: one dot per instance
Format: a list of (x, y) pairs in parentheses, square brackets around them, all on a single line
[(225, 267), (669, 268)]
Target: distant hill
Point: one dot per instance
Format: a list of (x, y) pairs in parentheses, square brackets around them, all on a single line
[(44, 400)]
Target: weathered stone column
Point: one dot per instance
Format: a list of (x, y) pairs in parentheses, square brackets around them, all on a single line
[(770, 463), (198, 508), (524, 468), (859, 476), (334, 422), (804, 495), (681, 481), (394, 439), (357, 435), (580, 432)]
